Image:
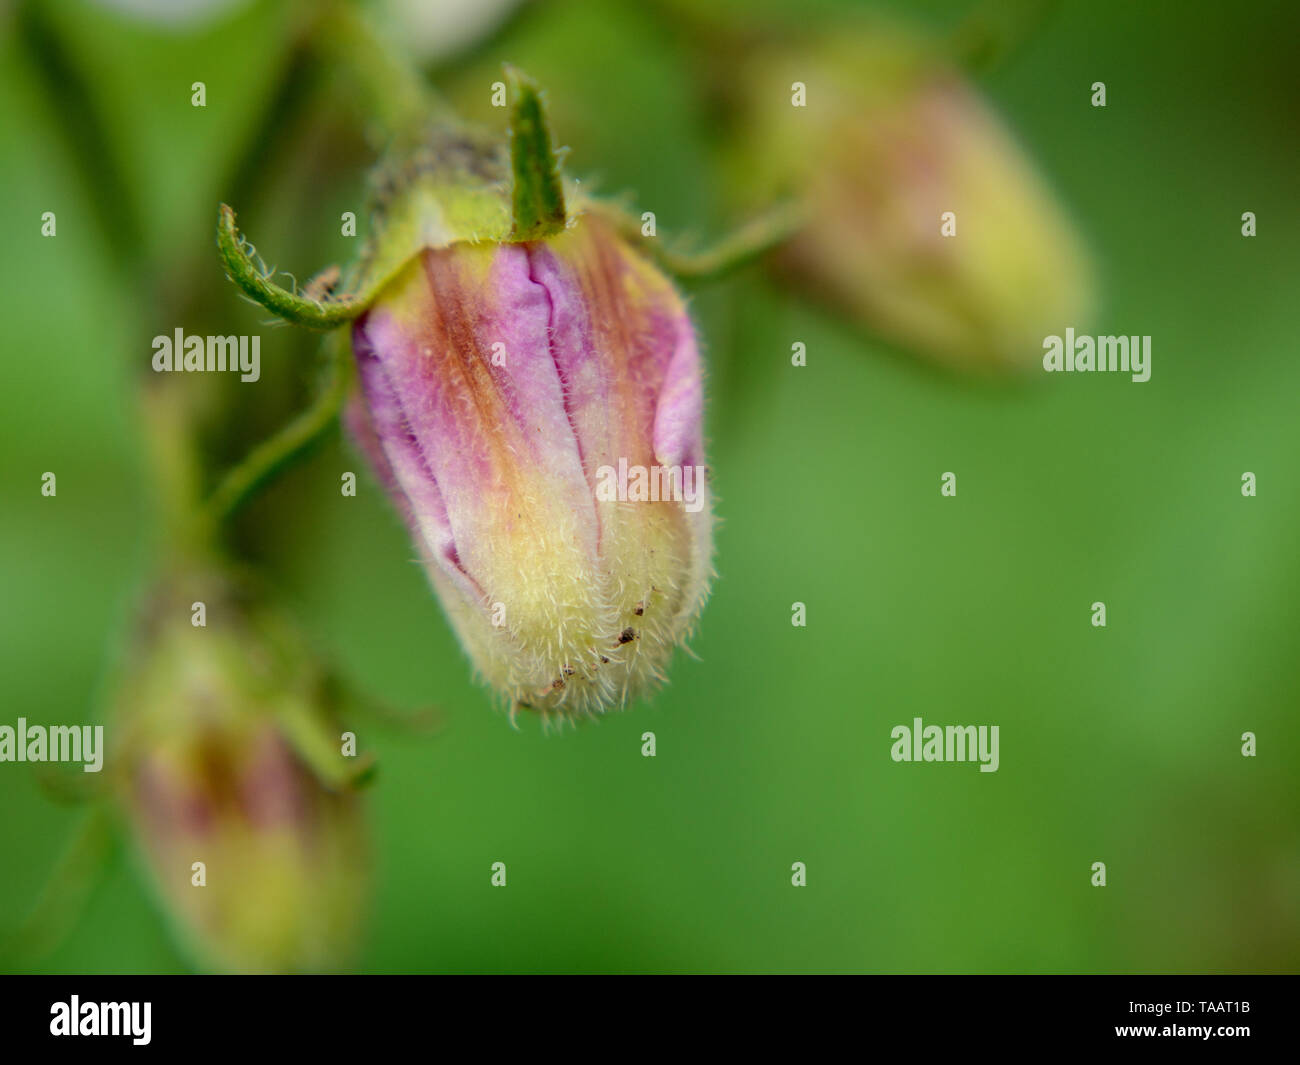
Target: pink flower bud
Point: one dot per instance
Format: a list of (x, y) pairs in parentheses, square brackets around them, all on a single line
[(926, 221), (535, 411), (257, 857)]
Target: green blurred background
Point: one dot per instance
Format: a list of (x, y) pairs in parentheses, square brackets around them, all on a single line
[(1119, 745)]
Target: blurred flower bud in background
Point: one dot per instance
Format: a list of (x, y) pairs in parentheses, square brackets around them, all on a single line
[(225, 756), (505, 387), (925, 221)]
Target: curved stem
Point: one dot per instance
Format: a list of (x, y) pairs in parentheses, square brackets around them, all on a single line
[(66, 890), (272, 456), (751, 240), (250, 275), (394, 94)]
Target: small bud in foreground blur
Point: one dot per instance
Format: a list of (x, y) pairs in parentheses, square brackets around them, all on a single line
[(223, 759), (926, 222)]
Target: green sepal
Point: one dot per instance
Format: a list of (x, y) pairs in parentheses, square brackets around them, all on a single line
[(252, 276), (447, 183), (449, 186), (537, 191), (317, 744)]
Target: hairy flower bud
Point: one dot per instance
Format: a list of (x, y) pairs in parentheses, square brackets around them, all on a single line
[(535, 410), (219, 724), (531, 396), (926, 221)]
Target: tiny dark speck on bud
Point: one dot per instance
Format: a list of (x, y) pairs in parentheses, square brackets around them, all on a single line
[(626, 636)]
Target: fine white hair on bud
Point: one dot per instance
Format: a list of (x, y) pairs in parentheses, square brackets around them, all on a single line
[(559, 496)]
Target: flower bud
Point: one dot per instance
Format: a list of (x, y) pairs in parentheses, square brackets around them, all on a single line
[(531, 397), (926, 222), (218, 723), (535, 410)]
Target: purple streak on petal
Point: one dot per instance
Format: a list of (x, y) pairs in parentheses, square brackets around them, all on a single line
[(462, 435), (608, 364), (382, 430)]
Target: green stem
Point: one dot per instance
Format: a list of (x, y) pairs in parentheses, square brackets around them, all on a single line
[(355, 704), (66, 891), (272, 456), (175, 467), (394, 95), (754, 238), (70, 91)]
